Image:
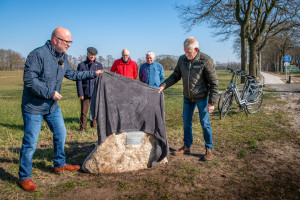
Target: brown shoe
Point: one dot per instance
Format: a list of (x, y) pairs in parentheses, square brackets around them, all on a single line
[(181, 151), (66, 167), (81, 130), (28, 185), (208, 155)]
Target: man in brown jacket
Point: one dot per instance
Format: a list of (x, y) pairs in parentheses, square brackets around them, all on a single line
[(200, 88)]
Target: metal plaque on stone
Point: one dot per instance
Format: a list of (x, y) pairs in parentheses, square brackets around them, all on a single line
[(134, 138)]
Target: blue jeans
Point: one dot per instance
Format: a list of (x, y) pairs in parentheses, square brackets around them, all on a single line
[(188, 111), (32, 128)]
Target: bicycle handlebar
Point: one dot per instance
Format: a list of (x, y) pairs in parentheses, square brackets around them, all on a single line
[(240, 72)]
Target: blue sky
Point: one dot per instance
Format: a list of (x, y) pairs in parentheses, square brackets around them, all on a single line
[(108, 25)]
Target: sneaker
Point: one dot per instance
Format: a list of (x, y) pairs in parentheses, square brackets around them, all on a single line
[(181, 151), (208, 155)]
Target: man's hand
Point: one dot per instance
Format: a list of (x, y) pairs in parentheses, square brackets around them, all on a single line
[(99, 71), (210, 108), (81, 98), (160, 89), (56, 96)]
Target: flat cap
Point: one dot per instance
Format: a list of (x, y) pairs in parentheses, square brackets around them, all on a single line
[(92, 50)]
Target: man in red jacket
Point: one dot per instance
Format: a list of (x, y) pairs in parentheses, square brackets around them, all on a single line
[(125, 66)]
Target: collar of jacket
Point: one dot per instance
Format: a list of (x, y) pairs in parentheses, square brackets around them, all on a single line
[(53, 50), (129, 60), (87, 61), (151, 63)]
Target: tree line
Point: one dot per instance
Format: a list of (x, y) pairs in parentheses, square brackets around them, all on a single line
[(11, 60), (271, 57), (167, 61)]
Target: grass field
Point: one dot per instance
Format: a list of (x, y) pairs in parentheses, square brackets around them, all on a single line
[(238, 140)]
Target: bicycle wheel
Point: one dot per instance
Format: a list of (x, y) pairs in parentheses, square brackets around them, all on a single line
[(220, 102), (226, 103), (254, 102)]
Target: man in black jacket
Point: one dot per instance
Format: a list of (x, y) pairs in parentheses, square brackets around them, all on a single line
[(85, 87), (200, 88)]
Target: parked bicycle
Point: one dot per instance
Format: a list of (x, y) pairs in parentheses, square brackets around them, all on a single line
[(249, 98)]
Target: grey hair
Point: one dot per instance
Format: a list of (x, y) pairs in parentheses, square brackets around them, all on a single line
[(150, 53), (191, 43)]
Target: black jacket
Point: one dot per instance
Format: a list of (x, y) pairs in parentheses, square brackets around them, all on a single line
[(199, 78), (85, 87)]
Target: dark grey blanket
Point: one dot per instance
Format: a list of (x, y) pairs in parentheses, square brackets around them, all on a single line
[(120, 104)]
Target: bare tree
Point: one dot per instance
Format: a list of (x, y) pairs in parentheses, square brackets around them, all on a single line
[(254, 22), (269, 18), (81, 58), (167, 61), (109, 61), (295, 54), (228, 17), (280, 45), (72, 61), (100, 59), (140, 61), (11, 60)]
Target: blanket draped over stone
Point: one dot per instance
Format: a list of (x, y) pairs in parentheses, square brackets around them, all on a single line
[(120, 104)]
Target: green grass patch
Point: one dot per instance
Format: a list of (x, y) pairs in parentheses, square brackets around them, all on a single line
[(242, 154)]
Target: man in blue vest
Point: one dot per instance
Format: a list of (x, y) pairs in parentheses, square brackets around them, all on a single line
[(85, 87)]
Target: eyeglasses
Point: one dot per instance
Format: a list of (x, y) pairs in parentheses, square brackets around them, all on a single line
[(66, 41)]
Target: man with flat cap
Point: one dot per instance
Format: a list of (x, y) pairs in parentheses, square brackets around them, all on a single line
[(85, 87)]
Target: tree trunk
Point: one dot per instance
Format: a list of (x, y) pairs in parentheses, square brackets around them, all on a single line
[(244, 57), (252, 59), (258, 63)]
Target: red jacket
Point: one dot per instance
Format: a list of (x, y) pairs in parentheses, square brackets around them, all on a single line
[(128, 69)]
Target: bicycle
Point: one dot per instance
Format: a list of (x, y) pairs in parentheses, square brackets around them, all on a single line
[(249, 99)]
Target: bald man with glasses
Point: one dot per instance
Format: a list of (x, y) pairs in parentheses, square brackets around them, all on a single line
[(44, 70)]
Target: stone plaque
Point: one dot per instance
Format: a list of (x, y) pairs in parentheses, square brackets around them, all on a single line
[(134, 138)]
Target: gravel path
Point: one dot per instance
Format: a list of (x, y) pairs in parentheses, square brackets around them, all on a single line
[(275, 82), (270, 79)]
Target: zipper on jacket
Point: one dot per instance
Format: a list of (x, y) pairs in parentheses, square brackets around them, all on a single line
[(190, 64)]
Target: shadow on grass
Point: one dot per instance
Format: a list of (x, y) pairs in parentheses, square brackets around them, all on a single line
[(71, 120), (197, 155), (5, 176), (13, 126), (76, 154)]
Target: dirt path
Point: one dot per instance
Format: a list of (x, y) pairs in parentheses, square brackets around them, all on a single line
[(290, 93)]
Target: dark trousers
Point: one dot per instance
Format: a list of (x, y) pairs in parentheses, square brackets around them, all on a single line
[(85, 105)]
